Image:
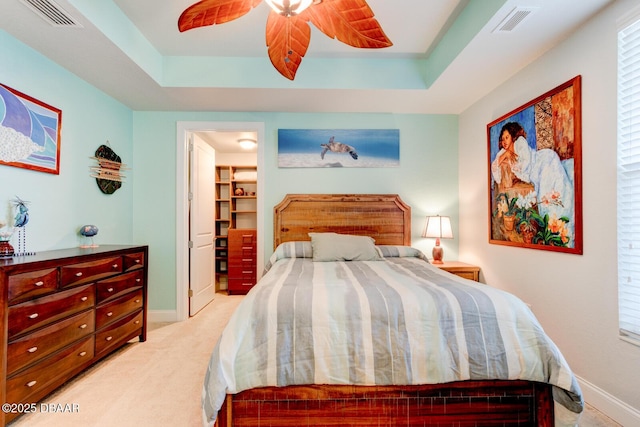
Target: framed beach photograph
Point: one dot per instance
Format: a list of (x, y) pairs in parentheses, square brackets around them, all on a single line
[(535, 173), (332, 148), (29, 132)]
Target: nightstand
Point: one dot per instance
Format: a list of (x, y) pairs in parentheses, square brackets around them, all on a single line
[(461, 269)]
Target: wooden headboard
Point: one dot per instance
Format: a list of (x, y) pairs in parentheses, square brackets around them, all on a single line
[(385, 217)]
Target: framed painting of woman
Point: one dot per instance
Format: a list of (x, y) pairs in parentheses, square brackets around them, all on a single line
[(535, 173)]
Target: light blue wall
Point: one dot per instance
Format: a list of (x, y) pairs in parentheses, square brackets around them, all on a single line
[(143, 211), (427, 178), (61, 204)]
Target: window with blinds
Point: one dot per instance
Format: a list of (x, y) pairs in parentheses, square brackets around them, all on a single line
[(629, 181)]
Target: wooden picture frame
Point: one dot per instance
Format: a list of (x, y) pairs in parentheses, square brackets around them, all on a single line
[(29, 132), (535, 173)]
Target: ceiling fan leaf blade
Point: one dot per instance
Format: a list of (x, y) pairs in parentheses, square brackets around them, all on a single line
[(211, 12), (350, 21), (287, 42)]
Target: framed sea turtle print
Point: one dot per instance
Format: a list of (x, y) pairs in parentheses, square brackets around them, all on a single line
[(29, 132), (329, 148), (535, 173)]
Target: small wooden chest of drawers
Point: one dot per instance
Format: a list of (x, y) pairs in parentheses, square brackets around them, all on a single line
[(461, 269), (63, 311), (242, 260)]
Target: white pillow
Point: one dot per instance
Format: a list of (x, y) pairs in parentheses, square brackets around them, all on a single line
[(343, 247)]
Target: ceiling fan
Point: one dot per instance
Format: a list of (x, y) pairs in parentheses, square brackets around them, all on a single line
[(288, 32)]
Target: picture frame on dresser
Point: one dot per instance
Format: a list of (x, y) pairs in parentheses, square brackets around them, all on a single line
[(535, 173), (65, 310)]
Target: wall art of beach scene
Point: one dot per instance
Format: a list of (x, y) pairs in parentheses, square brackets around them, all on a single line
[(29, 132), (334, 148)]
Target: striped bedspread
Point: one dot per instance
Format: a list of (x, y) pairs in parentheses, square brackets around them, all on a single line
[(395, 321)]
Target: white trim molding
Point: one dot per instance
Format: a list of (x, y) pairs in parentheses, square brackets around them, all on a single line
[(182, 190), (609, 405)]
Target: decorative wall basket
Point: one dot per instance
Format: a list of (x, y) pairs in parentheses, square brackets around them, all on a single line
[(108, 173)]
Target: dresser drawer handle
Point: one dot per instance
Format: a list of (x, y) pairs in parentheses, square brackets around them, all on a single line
[(40, 283), (32, 349), (33, 316), (84, 298), (83, 326), (138, 261), (110, 290), (137, 322), (79, 273), (82, 353), (109, 314), (137, 301), (108, 338), (138, 280), (115, 266), (31, 383)]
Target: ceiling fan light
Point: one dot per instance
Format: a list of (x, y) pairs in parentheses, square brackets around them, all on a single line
[(289, 7)]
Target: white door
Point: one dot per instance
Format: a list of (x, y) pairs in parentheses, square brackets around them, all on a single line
[(202, 287)]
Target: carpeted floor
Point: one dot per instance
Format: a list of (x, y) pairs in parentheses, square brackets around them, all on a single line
[(159, 382)]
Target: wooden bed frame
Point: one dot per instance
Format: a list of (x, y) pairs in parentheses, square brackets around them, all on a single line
[(387, 219)]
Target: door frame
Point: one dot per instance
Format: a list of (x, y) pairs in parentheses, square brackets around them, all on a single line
[(182, 208)]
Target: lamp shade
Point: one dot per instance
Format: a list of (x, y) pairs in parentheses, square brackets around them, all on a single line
[(438, 227), (289, 7)]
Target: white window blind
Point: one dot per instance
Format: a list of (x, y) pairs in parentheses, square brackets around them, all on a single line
[(629, 181)]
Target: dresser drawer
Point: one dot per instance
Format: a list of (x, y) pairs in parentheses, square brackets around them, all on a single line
[(118, 308), (242, 251), (240, 286), (468, 275), (45, 341), (118, 332), (242, 238), (133, 261), (85, 272), (245, 273), (29, 385), (113, 288), (39, 312), (24, 286)]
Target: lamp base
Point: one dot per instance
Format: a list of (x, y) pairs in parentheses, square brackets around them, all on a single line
[(437, 255)]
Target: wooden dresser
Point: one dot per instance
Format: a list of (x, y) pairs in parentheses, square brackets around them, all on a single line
[(242, 260), (62, 311)]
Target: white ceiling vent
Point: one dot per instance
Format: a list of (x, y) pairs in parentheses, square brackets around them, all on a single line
[(52, 13), (515, 18)]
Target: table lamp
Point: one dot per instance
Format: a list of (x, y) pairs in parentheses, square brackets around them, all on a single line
[(440, 228)]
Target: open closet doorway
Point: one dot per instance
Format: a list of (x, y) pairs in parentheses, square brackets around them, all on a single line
[(224, 138)]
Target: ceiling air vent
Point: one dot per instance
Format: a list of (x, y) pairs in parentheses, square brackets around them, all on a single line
[(513, 19), (51, 12)]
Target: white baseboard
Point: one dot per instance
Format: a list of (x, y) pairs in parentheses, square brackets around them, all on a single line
[(160, 316), (609, 405)]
